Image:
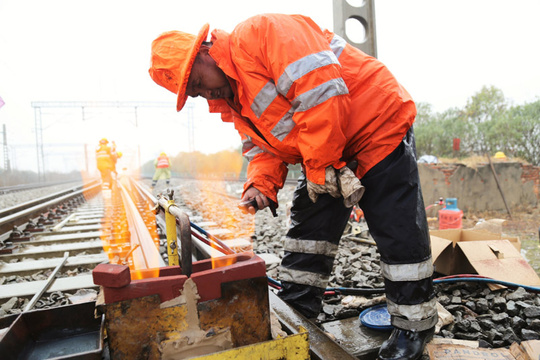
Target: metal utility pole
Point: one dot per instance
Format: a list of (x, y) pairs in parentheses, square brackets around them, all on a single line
[(7, 165), (39, 145), (364, 14), (86, 159), (84, 105)]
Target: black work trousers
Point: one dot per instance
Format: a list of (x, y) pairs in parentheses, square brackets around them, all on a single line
[(395, 213)]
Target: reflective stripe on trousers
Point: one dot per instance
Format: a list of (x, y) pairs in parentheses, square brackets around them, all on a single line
[(310, 248)]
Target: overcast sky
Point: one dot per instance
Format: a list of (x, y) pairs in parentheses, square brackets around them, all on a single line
[(442, 51)]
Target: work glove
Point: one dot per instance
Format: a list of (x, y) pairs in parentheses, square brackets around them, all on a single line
[(350, 187), (330, 185)]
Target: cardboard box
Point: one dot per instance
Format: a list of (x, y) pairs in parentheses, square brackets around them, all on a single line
[(527, 350), (459, 235), (442, 253), (457, 251)]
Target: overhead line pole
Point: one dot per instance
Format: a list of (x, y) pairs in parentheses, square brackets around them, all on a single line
[(38, 105), (7, 166), (39, 144)]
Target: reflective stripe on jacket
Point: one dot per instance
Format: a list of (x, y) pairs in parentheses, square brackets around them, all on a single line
[(303, 95), (162, 162)]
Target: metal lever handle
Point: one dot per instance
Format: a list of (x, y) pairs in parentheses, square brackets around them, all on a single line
[(244, 205)]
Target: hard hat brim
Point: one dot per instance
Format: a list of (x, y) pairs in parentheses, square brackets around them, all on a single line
[(184, 73)]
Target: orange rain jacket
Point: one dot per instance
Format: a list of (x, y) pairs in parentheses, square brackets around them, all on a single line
[(303, 95)]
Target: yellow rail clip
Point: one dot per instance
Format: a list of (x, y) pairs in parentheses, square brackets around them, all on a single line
[(170, 225)]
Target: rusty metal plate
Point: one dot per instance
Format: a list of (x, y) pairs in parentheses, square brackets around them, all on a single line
[(136, 327), (244, 307)]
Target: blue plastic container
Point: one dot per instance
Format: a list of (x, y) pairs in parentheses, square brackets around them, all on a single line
[(451, 204), (376, 317)]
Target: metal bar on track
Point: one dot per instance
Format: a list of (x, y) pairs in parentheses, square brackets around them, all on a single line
[(48, 284), (147, 252)]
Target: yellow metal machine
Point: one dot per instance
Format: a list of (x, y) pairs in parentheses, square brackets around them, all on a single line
[(217, 310)]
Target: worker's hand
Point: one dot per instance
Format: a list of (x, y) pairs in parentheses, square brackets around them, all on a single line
[(350, 187), (330, 185), (253, 194)]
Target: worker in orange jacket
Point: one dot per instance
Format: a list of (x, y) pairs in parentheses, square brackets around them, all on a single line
[(299, 94), (163, 170), (105, 160)]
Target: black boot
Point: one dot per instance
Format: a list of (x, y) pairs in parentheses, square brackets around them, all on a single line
[(305, 299), (405, 344)]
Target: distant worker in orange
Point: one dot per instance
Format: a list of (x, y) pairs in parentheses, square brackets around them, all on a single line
[(105, 162), (163, 171)]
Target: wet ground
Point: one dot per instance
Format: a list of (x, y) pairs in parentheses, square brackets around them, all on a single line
[(523, 223)]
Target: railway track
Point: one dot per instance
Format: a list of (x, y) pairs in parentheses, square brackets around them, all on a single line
[(73, 229), (39, 235)]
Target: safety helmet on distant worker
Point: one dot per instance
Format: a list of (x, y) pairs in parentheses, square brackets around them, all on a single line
[(119, 154), (500, 155), (173, 54), (162, 154), (103, 141)]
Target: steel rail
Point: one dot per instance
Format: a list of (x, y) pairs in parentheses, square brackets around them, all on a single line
[(7, 223), (16, 188), (28, 204), (146, 255)]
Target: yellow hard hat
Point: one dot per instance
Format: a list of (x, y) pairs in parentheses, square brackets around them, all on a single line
[(500, 155), (119, 153), (103, 141), (162, 154)]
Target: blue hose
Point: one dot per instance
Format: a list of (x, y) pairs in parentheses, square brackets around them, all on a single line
[(366, 291), (488, 280), (210, 236)]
